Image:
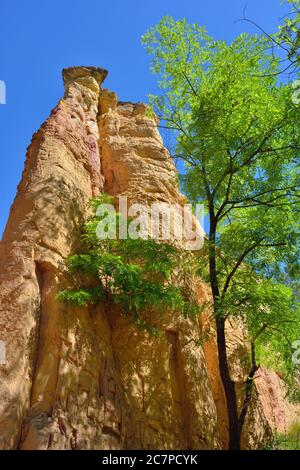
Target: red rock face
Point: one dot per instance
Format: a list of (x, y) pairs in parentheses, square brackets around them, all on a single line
[(62, 172), (280, 414), (88, 379)]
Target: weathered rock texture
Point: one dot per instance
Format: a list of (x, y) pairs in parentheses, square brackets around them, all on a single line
[(88, 378)]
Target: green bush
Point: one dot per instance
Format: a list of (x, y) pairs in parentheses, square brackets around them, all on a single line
[(134, 273), (288, 441)]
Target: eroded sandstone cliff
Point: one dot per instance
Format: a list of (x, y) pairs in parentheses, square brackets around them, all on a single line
[(79, 378)]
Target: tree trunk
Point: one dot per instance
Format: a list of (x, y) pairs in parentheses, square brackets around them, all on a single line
[(249, 383), (228, 384), (229, 388)]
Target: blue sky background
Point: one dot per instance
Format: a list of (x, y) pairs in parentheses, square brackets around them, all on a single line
[(38, 38)]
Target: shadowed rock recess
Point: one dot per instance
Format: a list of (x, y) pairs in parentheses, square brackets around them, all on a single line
[(79, 378)]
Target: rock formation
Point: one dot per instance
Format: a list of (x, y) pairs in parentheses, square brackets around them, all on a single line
[(87, 378)]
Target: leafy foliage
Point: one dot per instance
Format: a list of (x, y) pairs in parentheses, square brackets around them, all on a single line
[(237, 133), (134, 273), (286, 41)]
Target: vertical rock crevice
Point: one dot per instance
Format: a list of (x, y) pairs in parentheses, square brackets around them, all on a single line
[(179, 388)]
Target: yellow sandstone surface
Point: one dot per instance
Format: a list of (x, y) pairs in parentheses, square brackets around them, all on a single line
[(78, 378)]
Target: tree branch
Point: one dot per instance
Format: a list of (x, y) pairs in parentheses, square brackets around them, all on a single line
[(241, 259)]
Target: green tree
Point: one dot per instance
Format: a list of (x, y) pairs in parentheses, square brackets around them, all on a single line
[(237, 132)]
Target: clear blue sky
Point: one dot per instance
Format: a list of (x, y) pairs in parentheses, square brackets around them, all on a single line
[(38, 38)]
